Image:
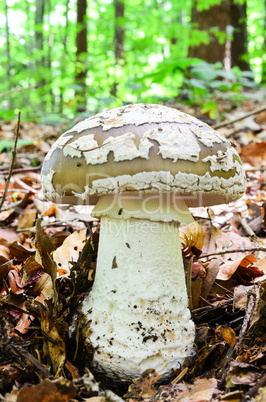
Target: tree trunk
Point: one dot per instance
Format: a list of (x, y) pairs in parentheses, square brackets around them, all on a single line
[(119, 30), (119, 39), (217, 16), (263, 72), (81, 54), (8, 64), (221, 17), (39, 14), (239, 49), (65, 35)]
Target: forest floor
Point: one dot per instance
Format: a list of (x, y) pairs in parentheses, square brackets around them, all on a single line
[(48, 252)]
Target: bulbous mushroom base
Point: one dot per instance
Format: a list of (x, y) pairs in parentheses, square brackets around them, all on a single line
[(137, 311)]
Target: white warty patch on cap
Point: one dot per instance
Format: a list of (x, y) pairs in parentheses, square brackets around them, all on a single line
[(224, 161), (149, 182), (136, 114), (173, 144)]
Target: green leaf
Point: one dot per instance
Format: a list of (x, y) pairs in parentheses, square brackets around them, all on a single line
[(5, 144), (197, 83)]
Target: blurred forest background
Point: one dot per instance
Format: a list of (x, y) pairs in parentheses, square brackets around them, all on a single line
[(62, 57)]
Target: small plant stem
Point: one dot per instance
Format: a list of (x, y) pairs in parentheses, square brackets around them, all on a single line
[(227, 123), (239, 250), (14, 153), (17, 90)]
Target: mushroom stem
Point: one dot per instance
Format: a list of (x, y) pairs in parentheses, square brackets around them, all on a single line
[(138, 309)]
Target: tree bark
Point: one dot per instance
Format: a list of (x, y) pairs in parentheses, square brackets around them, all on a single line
[(81, 54), (39, 14), (222, 16), (8, 64), (263, 72), (65, 34), (239, 48), (119, 30), (216, 16), (119, 39)]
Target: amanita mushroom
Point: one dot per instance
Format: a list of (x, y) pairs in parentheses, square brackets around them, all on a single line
[(144, 164)]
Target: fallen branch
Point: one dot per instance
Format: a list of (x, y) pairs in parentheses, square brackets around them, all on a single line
[(239, 250), (227, 123), (14, 153), (22, 170), (17, 90)]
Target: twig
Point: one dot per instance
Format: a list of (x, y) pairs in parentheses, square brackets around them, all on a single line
[(24, 354), (249, 311), (14, 153), (252, 392), (227, 123), (15, 190), (22, 170), (180, 376), (239, 250), (234, 350), (188, 283), (17, 90), (247, 228)]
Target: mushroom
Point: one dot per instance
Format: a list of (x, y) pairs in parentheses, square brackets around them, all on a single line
[(144, 165)]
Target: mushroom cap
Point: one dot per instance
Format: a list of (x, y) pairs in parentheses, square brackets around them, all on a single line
[(143, 148)]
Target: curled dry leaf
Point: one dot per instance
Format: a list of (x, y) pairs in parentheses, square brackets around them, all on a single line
[(212, 270), (192, 237), (4, 251), (20, 252), (241, 374), (4, 269), (54, 346), (44, 249), (244, 267)]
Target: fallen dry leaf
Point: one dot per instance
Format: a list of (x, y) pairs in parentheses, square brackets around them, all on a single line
[(202, 389), (216, 241), (229, 335), (9, 234), (69, 251), (27, 217), (143, 386), (254, 153), (60, 390)]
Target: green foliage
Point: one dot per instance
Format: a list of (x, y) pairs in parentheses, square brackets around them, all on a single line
[(158, 34), (194, 80), (9, 145)]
